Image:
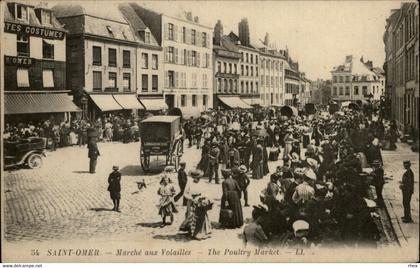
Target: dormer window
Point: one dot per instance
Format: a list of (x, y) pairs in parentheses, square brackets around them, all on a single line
[(46, 17), (21, 12), (147, 38)]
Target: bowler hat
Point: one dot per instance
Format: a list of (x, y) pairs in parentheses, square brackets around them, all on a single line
[(407, 162), (115, 167)]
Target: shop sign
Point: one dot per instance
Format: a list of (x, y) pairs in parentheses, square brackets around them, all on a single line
[(18, 61), (47, 33)]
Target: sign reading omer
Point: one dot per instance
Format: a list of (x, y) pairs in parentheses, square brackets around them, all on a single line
[(11, 27)]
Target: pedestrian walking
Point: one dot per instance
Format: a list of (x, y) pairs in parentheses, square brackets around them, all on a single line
[(182, 182), (378, 181), (231, 201), (407, 188), (213, 167), (239, 174), (114, 187)]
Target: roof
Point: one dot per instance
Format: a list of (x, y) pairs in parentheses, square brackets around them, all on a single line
[(33, 19), (161, 118), (103, 22)]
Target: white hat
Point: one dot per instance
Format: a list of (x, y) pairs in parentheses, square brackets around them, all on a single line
[(300, 225), (312, 162), (309, 173), (370, 203)]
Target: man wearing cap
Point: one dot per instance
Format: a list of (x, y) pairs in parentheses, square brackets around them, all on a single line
[(239, 174), (407, 188), (213, 167), (182, 182), (114, 187), (93, 154)]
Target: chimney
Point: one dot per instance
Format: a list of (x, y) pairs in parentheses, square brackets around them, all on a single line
[(243, 28), (267, 39), (189, 15), (196, 19), (218, 32)]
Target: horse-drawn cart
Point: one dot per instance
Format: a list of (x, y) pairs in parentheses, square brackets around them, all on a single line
[(161, 135)]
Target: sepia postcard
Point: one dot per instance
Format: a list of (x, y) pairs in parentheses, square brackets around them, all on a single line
[(209, 131)]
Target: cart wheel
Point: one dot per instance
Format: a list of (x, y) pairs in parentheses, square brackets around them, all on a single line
[(145, 162), (34, 161)]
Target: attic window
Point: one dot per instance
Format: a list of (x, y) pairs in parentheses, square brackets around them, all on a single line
[(147, 38), (21, 12), (46, 17)]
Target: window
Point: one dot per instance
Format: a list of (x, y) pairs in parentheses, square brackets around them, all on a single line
[(155, 83), (112, 57), (247, 57), (21, 12), (230, 68), (219, 85), (347, 78), (22, 45), (256, 71), (356, 90), (144, 83), (207, 60), (170, 31), (194, 100), (145, 60), (334, 91), (242, 70), (22, 77), (347, 91), (224, 67), (154, 62), (126, 82), (193, 36), (256, 87), (246, 70), (171, 78), (341, 79), (46, 17), (171, 54), (204, 39), (194, 80), (204, 80), (185, 57), (364, 89), (183, 100), (252, 58), (242, 56), (112, 80), (235, 67), (219, 67), (97, 56), (242, 86), (147, 38), (184, 35), (47, 49), (47, 78), (341, 91), (97, 81), (252, 71), (126, 59), (205, 100), (193, 58)]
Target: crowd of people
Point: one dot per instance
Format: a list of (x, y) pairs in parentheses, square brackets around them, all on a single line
[(68, 133), (320, 192)]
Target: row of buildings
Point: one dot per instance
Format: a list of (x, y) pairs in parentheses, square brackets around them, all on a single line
[(401, 65), (91, 59)]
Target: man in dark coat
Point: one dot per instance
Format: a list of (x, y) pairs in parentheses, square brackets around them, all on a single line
[(213, 167), (239, 174), (93, 154), (233, 159), (407, 188), (182, 182), (378, 181), (114, 187)]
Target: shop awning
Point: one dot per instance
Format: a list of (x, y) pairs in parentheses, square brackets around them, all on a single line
[(128, 101), (28, 103), (105, 102), (234, 102), (154, 104), (252, 101)]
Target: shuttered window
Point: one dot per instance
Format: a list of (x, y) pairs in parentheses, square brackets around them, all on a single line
[(47, 78), (97, 81), (22, 77)]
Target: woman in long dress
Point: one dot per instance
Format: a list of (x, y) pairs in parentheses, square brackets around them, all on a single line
[(231, 200), (197, 222)]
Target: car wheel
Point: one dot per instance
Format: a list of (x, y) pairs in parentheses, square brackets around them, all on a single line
[(34, 161)]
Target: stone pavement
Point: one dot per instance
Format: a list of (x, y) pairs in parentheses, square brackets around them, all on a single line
[(407, 233)]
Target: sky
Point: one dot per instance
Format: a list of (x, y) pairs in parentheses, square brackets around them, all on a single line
[(318, 34)]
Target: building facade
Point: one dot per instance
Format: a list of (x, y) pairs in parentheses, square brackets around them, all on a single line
[(34, 47), (101, 59), (401, 65), (188, 71), (226, 59), (272, 66), (355, 80), (149, 62), (292, 83)]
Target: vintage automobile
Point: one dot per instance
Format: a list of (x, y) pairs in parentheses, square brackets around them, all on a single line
[(161, 136), (24, 151)]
